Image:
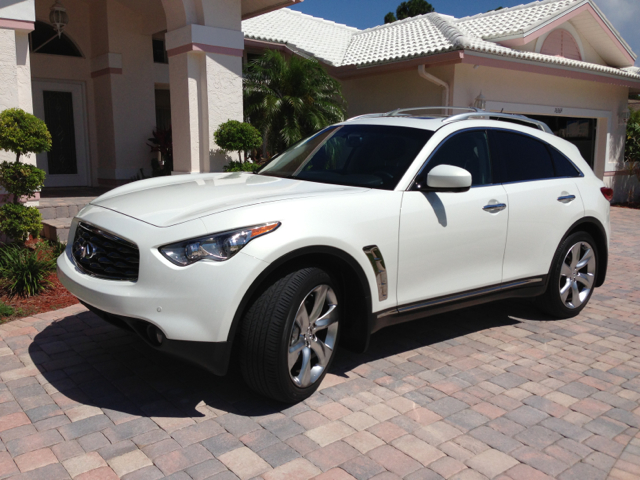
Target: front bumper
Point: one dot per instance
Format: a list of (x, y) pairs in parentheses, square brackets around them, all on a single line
[(213, 356), (196, 303)]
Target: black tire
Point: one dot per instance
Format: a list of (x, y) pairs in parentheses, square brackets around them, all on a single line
[(266, 333), (551, 301)]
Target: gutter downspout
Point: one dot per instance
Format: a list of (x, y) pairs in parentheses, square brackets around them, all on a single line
[(422, 71)]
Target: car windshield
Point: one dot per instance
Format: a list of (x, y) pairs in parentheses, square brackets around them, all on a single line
[(371, 156)]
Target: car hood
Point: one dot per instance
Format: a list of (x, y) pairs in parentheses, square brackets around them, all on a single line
[(167, 201)]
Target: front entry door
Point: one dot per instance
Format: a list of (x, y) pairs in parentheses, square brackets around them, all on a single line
[(453, 242), (61, 106)]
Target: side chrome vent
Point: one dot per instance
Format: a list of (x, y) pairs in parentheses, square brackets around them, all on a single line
[(104, 255), (379, 269)]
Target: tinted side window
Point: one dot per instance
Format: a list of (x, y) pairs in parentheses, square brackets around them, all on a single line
[(521, 158), (468, 150), (564, 167)]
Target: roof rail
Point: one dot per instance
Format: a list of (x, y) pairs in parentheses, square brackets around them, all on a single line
[(508, 117), (402, 112)]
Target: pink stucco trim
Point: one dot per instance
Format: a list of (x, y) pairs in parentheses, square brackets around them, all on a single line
[(201, 47), (617, 173), (516, 42), (277, 6), (106, 71), (441, 59), (17, 24), (558, 72)]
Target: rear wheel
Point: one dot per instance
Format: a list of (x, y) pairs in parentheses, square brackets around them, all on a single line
[(572, 278), (289, 335)]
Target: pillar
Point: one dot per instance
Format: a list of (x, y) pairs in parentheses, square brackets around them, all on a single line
[(205, 47), (16, 21)]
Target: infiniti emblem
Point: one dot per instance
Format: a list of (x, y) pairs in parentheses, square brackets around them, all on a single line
[(85, 250)]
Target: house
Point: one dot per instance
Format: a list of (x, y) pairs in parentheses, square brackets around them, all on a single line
[(560, 61), (104, 73), (92, 69)]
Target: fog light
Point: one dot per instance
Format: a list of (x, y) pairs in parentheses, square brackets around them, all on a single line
[(155, 335)]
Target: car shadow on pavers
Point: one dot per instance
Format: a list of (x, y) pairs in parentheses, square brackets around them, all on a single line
[(93, 363)]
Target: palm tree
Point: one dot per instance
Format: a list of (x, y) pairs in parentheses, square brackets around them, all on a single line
[(288, 100)]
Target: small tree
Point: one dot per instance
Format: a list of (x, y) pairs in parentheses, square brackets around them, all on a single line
[(22, 134), (408, 9), (234, 136)]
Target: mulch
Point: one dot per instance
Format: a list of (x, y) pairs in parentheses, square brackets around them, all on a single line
[(53, 298), (634, 205)]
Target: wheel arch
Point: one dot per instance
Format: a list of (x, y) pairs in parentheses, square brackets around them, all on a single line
[(594, 227), (341, 266)]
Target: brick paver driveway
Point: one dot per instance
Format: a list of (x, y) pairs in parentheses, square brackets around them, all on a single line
[(495, 391)]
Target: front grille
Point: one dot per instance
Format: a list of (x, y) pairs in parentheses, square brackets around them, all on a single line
[(104, 255)]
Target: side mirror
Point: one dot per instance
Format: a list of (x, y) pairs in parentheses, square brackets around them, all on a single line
[(446, 178)]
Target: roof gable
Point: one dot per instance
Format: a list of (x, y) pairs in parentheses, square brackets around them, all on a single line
[(513, 27)]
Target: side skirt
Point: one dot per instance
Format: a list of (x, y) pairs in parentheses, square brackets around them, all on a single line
[(530, 287)]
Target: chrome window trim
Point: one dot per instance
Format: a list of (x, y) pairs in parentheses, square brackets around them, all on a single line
[(376, 259)]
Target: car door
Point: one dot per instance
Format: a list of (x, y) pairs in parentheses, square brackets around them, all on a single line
[(544, 201), (453, 242)]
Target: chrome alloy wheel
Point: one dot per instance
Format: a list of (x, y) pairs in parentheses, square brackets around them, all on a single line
[(577, 275), (313, 336)]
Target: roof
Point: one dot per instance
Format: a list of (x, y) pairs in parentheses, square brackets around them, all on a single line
[(325, 40), (339, 45)]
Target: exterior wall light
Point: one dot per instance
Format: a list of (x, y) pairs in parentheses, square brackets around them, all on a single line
[(624, 116), (58, 17), (481, 102)]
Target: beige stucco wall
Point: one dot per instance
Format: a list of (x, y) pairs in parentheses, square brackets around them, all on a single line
[(386, 92), (533, 93)]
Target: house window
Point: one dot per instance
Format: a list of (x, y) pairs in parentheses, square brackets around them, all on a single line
[(44, 39), (561, 43), (159, 51)]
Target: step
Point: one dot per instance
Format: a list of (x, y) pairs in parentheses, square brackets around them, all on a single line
[(57, 228), (62, 207)]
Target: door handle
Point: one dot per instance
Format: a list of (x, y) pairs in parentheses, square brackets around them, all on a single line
[(494, 208), (566, 198)]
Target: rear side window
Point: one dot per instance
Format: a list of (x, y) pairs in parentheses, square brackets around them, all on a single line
[(520, 158), (564, 166), (468, 150)]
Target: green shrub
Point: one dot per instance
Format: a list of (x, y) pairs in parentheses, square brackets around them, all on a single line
[(242, 167), (17, 221), (21, 179), (25, 271), (56, 247), (5, 311), (22, 133), (234, 136)]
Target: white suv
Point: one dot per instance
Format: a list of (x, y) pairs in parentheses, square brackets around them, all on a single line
[(368, 223)]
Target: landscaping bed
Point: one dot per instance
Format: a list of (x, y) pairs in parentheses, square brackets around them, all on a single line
[(28, 281)]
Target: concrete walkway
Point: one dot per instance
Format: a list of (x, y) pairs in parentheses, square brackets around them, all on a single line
[(496, 391)]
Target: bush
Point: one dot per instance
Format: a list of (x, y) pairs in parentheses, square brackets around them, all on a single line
[(23, 133), (25, 271), (234, 136), (632, 144), (18, 221), (242, 167), (21, 179), (5, 311)]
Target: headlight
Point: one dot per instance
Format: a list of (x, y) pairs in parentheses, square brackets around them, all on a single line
[(217, 247)]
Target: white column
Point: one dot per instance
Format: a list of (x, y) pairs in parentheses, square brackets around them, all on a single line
[(16, 21), (205, 64)]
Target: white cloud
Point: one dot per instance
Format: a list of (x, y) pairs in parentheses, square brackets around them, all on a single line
[(625, 16)]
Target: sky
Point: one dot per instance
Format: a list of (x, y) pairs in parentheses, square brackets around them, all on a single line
[(623, 14)]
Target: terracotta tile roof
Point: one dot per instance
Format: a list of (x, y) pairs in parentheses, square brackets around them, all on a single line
[(325, 40), (429, 34), (510, 21)]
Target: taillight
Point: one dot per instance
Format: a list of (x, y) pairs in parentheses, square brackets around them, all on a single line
[(607, 192)]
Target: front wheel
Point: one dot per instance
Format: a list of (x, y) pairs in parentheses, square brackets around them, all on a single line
[(289, 335), (572, 278)]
